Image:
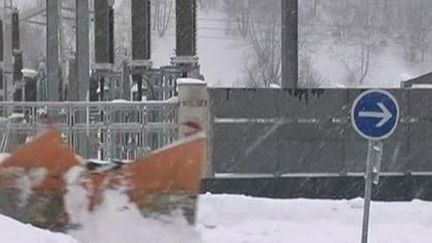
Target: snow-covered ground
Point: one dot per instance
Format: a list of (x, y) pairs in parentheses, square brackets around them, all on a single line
[(240, 219), (244, 219), (13, 231)]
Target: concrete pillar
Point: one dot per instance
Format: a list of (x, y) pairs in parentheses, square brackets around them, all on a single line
[(16, 44), (194, 107), (83, 48), (102, 31), (17, 66), (17, 58), (111, 33), (16, 48), (141, 27), (141, 41), (289, 44), (2, 81), (186, 60), (73, 89), (186, 28), (103, 43), (8, 58), (80, 72), (52, 40), (1, 42), (126, 87)]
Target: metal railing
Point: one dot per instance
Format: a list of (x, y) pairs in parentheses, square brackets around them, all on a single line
[(102, 130)]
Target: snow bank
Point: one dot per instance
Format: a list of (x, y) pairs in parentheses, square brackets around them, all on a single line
[(14, 232), (240, 219), (117, 220), (250, 220)]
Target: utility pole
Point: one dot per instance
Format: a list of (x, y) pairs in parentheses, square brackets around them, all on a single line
[(289, 44)]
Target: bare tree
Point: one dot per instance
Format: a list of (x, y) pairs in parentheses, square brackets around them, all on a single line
[(264, 68), (358, 65), (308, 76), (206, 4), (243, 19), (162, 14), (416, 29), (239, 15), (255, 20), (260, 23)]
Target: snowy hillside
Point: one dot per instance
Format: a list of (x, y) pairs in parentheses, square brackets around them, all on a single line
[(240, 219)]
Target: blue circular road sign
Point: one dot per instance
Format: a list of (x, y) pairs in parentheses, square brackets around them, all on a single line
[(375, 114)]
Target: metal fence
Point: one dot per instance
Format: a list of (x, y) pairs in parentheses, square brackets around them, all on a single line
[(102, 130)]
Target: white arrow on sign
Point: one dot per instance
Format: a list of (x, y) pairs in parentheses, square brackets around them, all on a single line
[(385, 114)]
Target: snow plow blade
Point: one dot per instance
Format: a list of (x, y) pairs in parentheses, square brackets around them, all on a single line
[(168, 179), (33, 181), (159, 184)]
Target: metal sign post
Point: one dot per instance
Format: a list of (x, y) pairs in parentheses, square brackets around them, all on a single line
[(372, 177), (375, 116)]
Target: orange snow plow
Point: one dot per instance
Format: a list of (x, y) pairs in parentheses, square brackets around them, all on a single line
[(33, 181)]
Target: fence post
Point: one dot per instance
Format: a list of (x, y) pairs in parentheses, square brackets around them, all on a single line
[(195, 106)]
